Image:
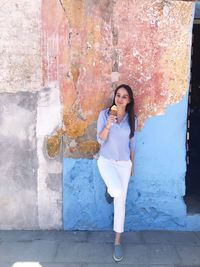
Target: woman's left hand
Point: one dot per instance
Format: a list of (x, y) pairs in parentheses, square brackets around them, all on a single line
[(132, 171)]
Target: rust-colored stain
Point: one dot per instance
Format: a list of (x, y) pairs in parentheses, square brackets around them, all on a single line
[(53, 146), (90, 47), (88, 147), (75, 127), (75, 73), (53, 143)]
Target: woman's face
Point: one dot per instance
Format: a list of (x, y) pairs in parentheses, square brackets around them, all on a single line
[(122, 98)]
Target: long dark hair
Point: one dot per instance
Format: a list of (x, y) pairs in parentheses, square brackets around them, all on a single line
[(129, 107)]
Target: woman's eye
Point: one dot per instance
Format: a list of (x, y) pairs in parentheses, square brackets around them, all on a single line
[(124, 97)]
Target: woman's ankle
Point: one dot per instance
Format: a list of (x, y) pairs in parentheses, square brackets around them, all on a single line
[(117, 238)]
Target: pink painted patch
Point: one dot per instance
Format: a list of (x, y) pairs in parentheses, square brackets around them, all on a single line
[(89, 48)]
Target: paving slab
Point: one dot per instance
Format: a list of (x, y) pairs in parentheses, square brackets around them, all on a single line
[(55, 264), (20, 235), (28, 251), (39, 264), (170, 237), (108, 237), (101, 237), (95, 249), (189, 255), (117, 265), (135, 254), (26, 235), (84, 252), (162, 254), (198, 235), (67, 236), (132, 237)]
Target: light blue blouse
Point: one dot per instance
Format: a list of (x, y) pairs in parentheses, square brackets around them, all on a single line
[(118, 144)]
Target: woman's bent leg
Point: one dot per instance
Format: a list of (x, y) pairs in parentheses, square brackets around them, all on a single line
[(110, 176)]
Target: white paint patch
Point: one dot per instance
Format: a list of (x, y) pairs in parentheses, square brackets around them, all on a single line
[(166, 11), (49, 117), (114, 76), (27, 264), (73, 143)]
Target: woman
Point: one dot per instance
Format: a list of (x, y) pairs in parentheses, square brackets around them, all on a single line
[(115, 133)]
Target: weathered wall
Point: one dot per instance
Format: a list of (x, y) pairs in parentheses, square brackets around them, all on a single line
[(151, 193), (99, 44), (30, 183), (18, 168), (49, 172), (147, 45), (75, 53), (155, 195)]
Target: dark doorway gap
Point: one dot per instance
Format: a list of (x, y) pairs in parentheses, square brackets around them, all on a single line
[(192, 197)]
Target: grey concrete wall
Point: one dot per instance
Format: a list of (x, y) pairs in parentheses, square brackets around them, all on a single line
[(49, 172), (30, 182), (18, 161)]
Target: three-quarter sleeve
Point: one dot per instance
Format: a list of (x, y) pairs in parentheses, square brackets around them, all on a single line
[(133, 143), (101, 123)]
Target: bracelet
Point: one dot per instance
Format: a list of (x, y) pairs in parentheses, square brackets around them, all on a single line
[(107, 128)]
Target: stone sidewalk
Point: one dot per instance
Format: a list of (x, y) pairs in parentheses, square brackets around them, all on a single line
[(94, 249)]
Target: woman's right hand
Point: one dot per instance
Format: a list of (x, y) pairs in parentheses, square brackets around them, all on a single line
[(111, 119)]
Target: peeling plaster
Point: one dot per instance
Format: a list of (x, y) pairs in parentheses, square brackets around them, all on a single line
[(98, 47), (49, 173)]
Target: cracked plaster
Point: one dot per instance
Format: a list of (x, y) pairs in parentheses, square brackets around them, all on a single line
[(94, 46)]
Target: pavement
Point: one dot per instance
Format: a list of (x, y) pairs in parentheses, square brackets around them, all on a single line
[(94, 249)]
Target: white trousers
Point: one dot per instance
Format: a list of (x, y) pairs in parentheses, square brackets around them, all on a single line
[(116, 175)]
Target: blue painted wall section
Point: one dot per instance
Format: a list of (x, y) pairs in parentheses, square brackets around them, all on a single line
[(155, 196), (84, 205), (155, 199)]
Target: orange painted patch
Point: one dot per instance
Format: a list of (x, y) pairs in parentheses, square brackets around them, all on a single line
[(91, 46)]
